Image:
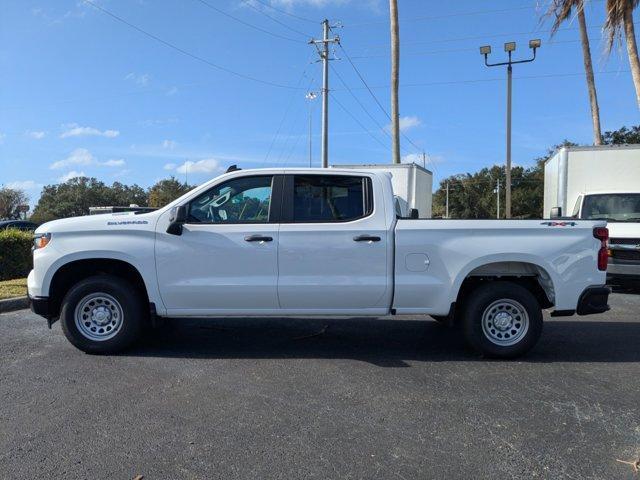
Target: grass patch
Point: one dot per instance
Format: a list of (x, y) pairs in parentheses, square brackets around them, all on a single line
[(13, 288)]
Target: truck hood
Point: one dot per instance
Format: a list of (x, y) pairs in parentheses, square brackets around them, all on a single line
[(128, 220), (624, 229)]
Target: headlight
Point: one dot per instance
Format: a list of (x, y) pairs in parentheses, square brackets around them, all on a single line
[(41, 240)]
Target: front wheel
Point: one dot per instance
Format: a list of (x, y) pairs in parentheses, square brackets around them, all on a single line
[(502, 320), (102, 314)]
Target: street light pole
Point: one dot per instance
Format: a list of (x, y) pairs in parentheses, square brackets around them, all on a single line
[(310, 96), (507, 192), (509, 47)]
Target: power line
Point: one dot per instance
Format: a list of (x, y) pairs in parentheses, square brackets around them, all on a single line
[(482, 37), (249, 3), (355, 119), (449, 15), (381, 127), (250, 25), (284, 116), (184, 52), (451, 50), (284, 12), (359, 102), (292, 87), (374, 96), (290, 135), (484, 80)]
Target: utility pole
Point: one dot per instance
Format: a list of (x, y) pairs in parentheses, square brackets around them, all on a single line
[(498, 199), (509, 47), (324, 57), (446, 208), (395, 74)]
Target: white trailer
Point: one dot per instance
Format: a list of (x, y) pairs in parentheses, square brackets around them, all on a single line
[(600, 183), (412, 186), (573, 171)]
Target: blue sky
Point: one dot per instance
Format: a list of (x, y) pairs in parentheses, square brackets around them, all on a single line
[(83, 93)]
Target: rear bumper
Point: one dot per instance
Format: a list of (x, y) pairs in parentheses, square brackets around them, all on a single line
[(594, 300)]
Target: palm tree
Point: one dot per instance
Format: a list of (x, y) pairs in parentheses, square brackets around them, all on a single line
[(395, 68), (620, 17), (562, 10)]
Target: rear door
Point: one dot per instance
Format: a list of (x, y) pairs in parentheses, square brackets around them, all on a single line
[(333, 245)]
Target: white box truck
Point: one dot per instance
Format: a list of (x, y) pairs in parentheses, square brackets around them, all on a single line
[(412, 186), (600, 183)]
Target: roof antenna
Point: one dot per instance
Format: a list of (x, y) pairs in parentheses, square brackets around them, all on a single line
[(232, 168)]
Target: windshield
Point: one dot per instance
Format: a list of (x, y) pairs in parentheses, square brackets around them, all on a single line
[(614, 207)]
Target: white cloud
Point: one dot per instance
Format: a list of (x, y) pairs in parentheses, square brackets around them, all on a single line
[(80, 156), (141, 79), (407, 123), (70, 175), (169, 144), (172, 91), (208, 165), (34, 134), (23, 185), (2, 137), (75, 130), (114, 162), (170, 166)]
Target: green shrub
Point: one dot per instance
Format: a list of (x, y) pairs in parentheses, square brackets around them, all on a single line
[(15, 254)]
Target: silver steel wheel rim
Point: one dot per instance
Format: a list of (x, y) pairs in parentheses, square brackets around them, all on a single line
[(505, 322), (98, 317)]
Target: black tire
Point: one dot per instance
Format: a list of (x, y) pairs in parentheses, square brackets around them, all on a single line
[(129, 307), (508, 297)]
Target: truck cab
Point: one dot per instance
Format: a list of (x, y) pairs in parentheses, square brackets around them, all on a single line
[(621, 210)]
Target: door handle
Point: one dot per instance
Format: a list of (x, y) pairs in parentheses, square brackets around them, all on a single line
[(257, 238), (366, 238)]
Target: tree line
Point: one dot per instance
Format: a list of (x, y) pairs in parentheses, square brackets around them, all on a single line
[(75, 196)]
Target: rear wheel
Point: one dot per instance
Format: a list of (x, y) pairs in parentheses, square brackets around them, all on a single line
[(102, 314), (502, 320)]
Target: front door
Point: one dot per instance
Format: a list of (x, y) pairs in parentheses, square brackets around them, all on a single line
[(226, 258), (333, 253)]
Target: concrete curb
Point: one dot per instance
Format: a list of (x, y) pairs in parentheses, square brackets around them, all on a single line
[(11, 304)]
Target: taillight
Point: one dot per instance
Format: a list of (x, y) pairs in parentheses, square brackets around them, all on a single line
[(602, 234)]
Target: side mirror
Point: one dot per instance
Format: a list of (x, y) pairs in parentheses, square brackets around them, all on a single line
[(556, 212), (176, 220), (414, 213)]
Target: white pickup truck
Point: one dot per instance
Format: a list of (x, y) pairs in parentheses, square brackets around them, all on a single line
[(301, 242), (621, 210)]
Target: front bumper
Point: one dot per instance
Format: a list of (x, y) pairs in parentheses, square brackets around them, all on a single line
[(594, 300), (41, 306)]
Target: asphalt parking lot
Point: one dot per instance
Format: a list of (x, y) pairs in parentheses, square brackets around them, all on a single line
[(313, 398)]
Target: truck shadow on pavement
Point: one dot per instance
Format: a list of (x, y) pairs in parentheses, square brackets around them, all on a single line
[(382, 342)]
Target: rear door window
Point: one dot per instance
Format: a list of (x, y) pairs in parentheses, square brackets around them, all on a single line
[(331, 198)]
